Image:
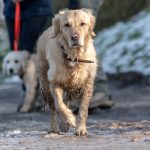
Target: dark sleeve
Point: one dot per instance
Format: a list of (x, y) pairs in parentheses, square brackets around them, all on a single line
[(73, 4), (24, 0)]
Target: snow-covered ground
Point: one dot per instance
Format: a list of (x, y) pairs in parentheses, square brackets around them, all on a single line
[(126, 45)]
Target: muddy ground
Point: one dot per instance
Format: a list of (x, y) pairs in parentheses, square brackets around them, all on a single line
[(126, 126)]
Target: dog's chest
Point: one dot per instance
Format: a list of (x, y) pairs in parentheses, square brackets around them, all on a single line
[(74, 77), (70, 78)]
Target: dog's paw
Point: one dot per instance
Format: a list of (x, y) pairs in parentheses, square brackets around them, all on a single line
[(71, 120), (81, 131), (25, 109)]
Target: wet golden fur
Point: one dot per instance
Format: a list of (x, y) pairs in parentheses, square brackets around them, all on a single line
[(62, 80)]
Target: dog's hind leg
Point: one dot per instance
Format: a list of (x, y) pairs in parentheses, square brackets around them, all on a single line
[(64, 112)]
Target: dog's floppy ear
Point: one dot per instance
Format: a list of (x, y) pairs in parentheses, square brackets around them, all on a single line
[(56, 25), (56, 21), (92, 20)]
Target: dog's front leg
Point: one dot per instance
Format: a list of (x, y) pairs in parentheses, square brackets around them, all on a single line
[(64, 112), (29, 100), (83, 109), (62, 125), (30, 95), (30, 81), (53, 117)]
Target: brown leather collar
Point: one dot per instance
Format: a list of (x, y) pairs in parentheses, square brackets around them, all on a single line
[(76, 59)]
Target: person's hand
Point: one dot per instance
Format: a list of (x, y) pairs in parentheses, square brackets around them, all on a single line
[(16, 1)]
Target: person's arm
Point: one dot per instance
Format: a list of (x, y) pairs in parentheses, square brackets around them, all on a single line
[(16, 1)]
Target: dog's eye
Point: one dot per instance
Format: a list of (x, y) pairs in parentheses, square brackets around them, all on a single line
[(83, 24), (16, 61), (7, 61), (67, 25)]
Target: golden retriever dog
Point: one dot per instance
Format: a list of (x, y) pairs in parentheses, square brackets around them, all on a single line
[(23, 64), (67, 68)]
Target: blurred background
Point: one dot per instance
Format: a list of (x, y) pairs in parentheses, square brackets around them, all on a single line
[(122, 43), (123, 34)]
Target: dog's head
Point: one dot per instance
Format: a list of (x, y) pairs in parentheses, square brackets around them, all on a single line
[(14, 62), (75, 26)]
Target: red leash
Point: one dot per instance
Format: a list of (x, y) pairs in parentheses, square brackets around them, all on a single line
[(17, 26)]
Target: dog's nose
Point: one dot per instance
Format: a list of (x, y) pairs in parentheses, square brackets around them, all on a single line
[(11, 71), (74, 37)]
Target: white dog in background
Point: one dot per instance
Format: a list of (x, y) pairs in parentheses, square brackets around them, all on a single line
[(23, 64)]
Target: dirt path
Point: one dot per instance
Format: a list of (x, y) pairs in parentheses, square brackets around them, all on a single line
[(126, 126)]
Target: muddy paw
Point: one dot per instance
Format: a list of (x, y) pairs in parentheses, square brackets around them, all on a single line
[(71, 121), (81, 131), (25, 109)]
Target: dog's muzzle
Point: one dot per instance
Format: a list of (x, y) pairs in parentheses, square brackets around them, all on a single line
[(11, 71), (75, 41)]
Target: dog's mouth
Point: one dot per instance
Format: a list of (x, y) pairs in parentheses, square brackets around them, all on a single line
[(12, 74), (76, 45)]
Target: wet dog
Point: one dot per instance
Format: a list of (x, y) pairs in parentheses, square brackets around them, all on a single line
[(67, 65)]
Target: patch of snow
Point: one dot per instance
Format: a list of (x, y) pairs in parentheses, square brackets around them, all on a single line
[(126, 45)]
